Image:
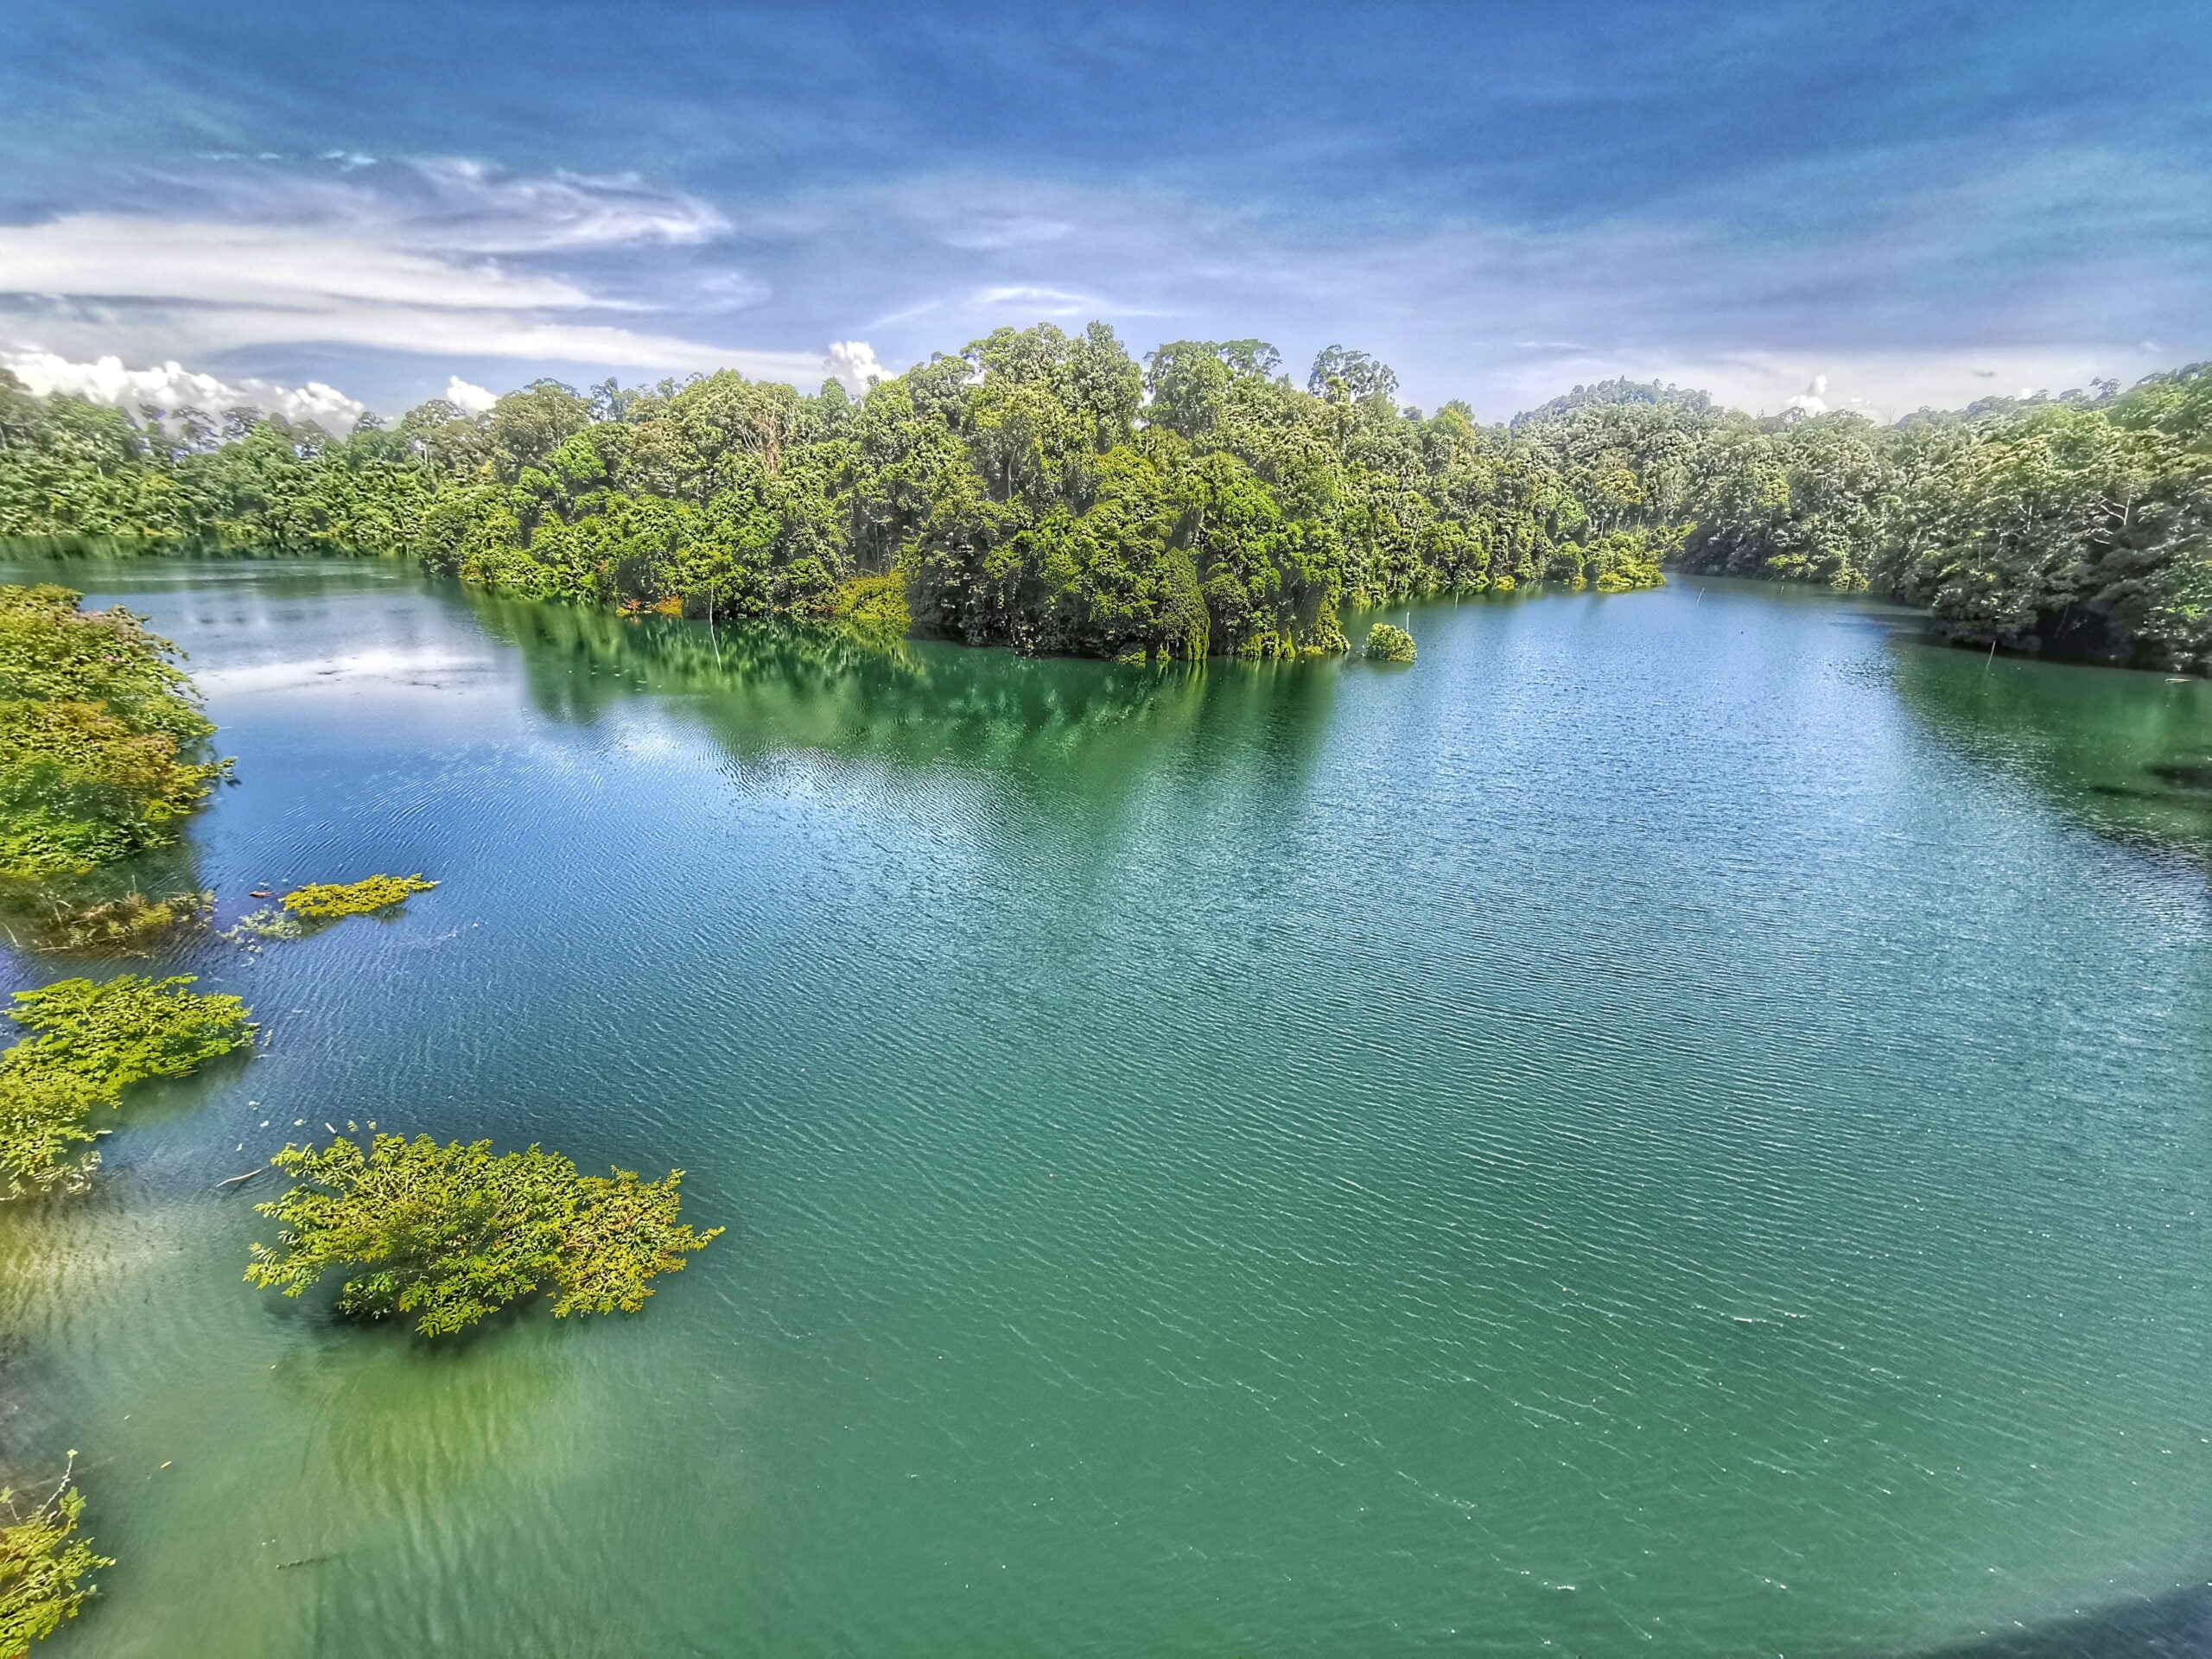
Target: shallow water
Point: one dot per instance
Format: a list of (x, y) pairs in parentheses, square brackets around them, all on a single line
[(1677, 1124)]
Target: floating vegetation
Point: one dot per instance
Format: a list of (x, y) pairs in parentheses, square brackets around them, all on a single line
[(265, 924), (91, 1041), (324, 902), (450, 1234), (45, 1565), (1388, 644)]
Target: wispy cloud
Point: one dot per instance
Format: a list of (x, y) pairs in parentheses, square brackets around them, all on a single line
[(445, 257)]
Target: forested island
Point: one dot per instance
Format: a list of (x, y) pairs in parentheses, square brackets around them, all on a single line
[(1048, 492)]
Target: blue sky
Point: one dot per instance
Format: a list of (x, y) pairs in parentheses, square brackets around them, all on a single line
[(1919, 203)]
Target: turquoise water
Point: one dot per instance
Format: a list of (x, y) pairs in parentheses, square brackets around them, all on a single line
[(1677, 1124)]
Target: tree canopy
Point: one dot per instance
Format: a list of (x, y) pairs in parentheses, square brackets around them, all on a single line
[(46, 1565), (89, 1041), (448, 1234), (1045, 490), (102, 744)]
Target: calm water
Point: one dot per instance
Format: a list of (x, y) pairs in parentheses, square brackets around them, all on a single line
[(1679, 1124)]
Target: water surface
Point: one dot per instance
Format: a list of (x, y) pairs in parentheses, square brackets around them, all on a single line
[(1677, 1124)]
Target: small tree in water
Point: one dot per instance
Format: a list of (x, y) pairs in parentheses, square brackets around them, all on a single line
[(329, 901), (44, 1565), (450, 1234), (90, 1040), (1386, 643)]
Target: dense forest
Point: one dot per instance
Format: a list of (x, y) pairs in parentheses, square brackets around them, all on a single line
[(1049, 492)]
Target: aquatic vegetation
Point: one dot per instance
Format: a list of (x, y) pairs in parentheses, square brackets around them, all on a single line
[(46, 1565), (450, 1234), (127, 1028), (44, 1115), (99, 739), (1388, 644), (267, 922), (89, 1041), (131, 926), (331, 901), (874, 605)]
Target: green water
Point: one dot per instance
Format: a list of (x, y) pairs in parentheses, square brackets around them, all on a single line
[(1680, 1123)]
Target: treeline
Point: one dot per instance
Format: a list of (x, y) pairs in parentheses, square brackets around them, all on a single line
[(1037, 489), (1051, 493)]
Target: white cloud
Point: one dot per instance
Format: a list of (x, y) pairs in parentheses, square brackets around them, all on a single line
[(469, 398), (1040, 301), (170, 386), (465, 204), (313, 267), (1813, 400), (1881, 385), (853, 362), (432, 256)]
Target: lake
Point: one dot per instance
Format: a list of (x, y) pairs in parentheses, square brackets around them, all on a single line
[(1680, 1123)]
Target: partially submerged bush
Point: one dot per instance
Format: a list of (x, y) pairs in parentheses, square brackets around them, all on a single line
[(132, 925), (331, 901), (100, 746), (43, 1117), (267, 922), (91, 1041), (875, 605), (122, 1030), (45, 1566), (1386, 643), (450, 1234)]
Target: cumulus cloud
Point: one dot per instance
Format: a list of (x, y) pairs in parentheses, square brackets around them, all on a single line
[(853, 362), (468, 397), (1814, 399), (170, 386)]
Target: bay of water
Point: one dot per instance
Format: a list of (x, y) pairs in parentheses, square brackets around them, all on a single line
[(1681, 1123)]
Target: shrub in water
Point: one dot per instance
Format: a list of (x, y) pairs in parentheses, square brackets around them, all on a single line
[(1386, 643)]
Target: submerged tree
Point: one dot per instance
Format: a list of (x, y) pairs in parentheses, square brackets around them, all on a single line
[(46, 1565), (1389, 644), (331, 901), (450, 1234), (91, 1041), (101, 745)]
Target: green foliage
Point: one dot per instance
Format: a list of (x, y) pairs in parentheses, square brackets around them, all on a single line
[(1386, 643), (45, 1566), (99, 738), (874, 605), (331, 901), (1042, 490), (125, 1029), (450, 1234), (89, 1041), (130, 925)]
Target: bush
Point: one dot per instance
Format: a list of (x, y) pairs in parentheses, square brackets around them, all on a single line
[(43, 1566), (1386, 643), (98, 739), (92, 1040), (451, 1234), (330, 902), (131, 926)]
